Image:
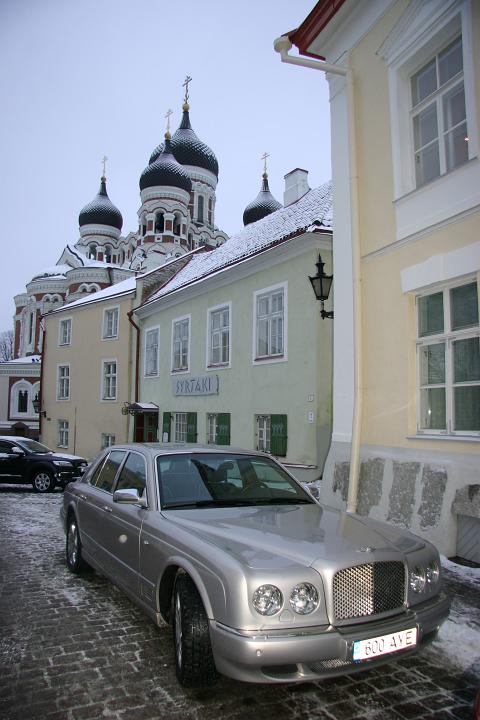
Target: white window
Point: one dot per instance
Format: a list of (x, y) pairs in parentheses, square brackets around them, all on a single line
[(439, 114), (180, 343), (263, 433), (180, 427), (107, 440), (212, 428), (151, 351), (110, 323), (62, 432), (270, 324), (109, 380), (65, 331), (63, 382), (448, 348), (219, 336)]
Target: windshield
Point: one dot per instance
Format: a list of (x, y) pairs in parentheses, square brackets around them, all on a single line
[(33, 446), (222, 480)]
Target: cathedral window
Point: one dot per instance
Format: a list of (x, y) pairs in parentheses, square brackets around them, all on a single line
[(159, 222), (177, 223), (108, 254), (92, 252), (22, 405), (200, 208)]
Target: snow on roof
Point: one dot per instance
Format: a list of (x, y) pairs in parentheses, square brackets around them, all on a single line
[(121, 288), (313, 212), (51, 272), (26, 359)]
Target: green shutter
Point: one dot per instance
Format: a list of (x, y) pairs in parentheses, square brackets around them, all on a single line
[(191, 427), (278, 441), (223, 429), (166, 425)]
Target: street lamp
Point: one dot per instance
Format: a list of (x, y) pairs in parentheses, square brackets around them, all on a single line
[(321, 284), (36, 406)]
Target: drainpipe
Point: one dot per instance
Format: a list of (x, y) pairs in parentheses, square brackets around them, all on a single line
[(282, 45), (42, 356), (137, 350)]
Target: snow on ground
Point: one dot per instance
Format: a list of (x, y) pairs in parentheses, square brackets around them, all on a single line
[(459, 636)]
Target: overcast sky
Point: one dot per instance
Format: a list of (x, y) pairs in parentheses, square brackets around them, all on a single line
[(80, 79)]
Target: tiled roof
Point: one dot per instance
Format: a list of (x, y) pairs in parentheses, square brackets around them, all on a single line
[(313, 212)]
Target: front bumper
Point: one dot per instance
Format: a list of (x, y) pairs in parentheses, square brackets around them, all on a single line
[(299, 656)]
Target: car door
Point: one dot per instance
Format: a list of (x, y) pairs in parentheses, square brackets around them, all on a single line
[(125, 522), (10, 464), (95, 508)]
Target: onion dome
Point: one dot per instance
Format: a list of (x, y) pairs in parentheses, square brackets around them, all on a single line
[(263, 205), (188, 148), (101, 211), (165, 170)]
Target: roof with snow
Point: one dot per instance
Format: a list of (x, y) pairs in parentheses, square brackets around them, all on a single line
[(124, 287), (312, 213)]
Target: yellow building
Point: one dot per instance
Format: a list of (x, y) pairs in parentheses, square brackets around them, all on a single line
[(405, 107)]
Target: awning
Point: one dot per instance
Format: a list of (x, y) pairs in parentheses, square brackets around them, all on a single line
[(138, 407)]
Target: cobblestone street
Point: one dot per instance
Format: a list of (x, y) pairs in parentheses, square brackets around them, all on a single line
[(74, 648)]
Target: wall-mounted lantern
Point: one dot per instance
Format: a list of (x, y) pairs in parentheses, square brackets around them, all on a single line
[(321, 284)]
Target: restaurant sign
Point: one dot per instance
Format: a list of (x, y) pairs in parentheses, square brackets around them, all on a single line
[(206, 385)]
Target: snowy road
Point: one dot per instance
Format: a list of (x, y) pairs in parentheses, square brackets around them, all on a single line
[(76, 649)]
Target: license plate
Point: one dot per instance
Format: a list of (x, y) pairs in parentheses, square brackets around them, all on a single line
[(384, 644)]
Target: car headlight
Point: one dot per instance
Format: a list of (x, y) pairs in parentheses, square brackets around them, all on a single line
[(304, 598), (62, 463), (267, 599), (433, 572), (417, 579)]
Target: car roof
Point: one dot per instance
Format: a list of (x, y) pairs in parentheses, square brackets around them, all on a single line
[(156, 448)]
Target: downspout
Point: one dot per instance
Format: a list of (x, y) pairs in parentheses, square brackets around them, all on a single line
[(137, 350), (282, 45), (42, 355)]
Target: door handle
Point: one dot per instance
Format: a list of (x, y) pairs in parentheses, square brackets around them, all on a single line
[(83, 497), (107, 509)]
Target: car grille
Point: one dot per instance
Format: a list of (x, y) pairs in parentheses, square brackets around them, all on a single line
[(368, 589)]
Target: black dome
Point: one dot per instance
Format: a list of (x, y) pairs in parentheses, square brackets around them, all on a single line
[(263, 205), (188, 149), (165, 170), (101, 211)]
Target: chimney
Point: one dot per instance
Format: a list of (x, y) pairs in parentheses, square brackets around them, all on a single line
[(296, 185)]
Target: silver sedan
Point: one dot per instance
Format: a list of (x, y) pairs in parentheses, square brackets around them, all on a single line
[(259, 581)]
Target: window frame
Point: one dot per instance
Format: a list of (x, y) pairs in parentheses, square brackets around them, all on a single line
[(257, 295), (176, 321), (210, 365), (59, 395), (63, 430), (103, 396), (447, 338), (155, 329), (115, 329), (106, 444), (68, 323)]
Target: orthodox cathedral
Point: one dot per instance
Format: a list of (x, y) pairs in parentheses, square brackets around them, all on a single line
[(176, 215)]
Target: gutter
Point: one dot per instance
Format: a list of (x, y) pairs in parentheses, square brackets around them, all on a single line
[(283, 45)]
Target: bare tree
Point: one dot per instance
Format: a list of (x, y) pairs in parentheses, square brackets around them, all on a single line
[(6, 345)]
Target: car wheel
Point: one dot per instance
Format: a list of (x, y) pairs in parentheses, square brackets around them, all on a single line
[(42, 481), (73, 548), (194, 662)]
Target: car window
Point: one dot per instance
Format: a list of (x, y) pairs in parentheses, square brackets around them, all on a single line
[(104, 476), (5, 447), (33, 446), (133, 474), (224, 479)]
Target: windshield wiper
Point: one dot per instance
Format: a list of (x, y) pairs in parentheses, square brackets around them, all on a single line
[(236, 502)]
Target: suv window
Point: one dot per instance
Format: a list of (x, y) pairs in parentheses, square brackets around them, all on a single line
[(5, 447), (133, 474), (104, 476)]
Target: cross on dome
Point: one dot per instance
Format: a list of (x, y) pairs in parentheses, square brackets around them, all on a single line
[(104, 163), (264, 158)]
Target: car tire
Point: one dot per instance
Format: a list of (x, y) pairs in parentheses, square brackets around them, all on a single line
[(73, 548), (42, 481), (194, 663)]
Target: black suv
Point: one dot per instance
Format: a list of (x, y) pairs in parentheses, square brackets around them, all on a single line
[(27, 461)]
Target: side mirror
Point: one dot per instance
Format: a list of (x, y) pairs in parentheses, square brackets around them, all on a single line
[(129, 496)]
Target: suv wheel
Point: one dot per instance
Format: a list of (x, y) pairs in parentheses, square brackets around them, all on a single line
[(42, 481)]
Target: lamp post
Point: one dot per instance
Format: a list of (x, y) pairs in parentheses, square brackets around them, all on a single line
[(36, 406), (321, 284)]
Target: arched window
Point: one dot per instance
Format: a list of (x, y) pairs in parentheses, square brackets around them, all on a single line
[(190, 241), (200, 208), (22, 401), (177, 223), (92, 252), (108, 254), (159, 222)]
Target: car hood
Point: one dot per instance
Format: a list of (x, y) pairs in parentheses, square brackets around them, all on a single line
[(278, 536), (66, 456)]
